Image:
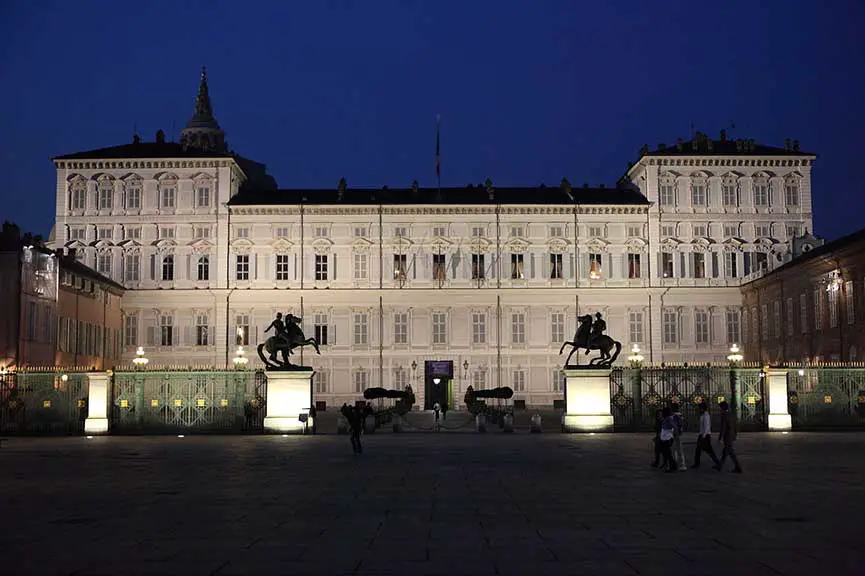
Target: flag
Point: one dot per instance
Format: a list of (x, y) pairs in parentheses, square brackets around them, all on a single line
[(438, 148)]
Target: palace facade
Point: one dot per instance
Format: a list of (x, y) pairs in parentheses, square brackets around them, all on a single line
[(488, 278)]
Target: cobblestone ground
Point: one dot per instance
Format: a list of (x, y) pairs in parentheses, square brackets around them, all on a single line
[(418, 504)]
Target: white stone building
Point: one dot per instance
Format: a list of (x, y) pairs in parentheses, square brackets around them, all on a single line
[(488, 278)]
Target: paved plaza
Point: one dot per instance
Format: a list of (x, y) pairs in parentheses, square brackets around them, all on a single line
[(417, 504)]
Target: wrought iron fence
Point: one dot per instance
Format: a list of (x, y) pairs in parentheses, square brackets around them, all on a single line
[(43, 403), (637, 394), (188, 401), (821, 397)]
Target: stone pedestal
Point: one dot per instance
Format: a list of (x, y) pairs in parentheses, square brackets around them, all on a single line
[(288, 396), (98, 398), (776, 390), (587, 400)]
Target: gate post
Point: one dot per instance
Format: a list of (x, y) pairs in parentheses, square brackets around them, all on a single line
[(288, 394), (587, 400), (98, 394), (779, 414)]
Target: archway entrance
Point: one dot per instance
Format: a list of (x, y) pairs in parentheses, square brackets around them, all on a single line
[(438, 383)]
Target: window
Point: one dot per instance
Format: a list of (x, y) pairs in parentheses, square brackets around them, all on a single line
[(104, 233), (519, 381), (242, 271), (635, 326), (361, 328), (730, 195), (668, 194), (203, 268), (168, 198), (166, 232), (477, 232), (667, 264), (202, 195), (556, 232), (241, 330), (832, 296), (700, 231), (518, 231), (439, 326), (360, 381), (764, 322), (557, 327), (479, 328), (698, 194), (849, 311), (400, 232), (731, 265), (518, 328), (595, 268), (361, 268), (477, 266), (282, 232), (321, 267), (776, 319), (202, 330), (321, 231), (168, 267), (761, 194), (103, 263), (668, 230), (731, 230), (201, 232), (78, 233), (439, 231), (79, 195), (105, 194), (701, 327), (400, 328), (671, 327), (360, 231), (132, 233), (556, 270), (517, 267), (818, 310), (132, 268), (319, 380), (479, 379), (166, 330), (130, 330), (761, 231), (282, 267), (595, 231), (791, 193), (699, 265), (745, 331), (635, 231), (439, 270), (242, 232), (803, 313), (319, 328), (558, 380), (790, 316), (793, 231), (733, 326), (634, 266)]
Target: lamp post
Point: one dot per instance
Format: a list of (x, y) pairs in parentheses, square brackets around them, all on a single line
[(240, 360), (140, 359), (635, 358), (734, 358)]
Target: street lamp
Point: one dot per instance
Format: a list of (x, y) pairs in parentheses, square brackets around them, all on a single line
[(140, 359), (735, 354), (465, 368), (240, 360), (734, 358), (635, 357)]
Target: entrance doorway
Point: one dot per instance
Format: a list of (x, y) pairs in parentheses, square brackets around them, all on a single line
[(438, 383)]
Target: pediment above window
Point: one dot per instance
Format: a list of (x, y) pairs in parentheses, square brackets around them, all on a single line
[(557, 245), (597, 245), (732, 245), (76, 244), (403, 243), (200, 246), (102, 244), (362, 245), (670, 244), (701, 245), (635, 244), (322, 245), (480, 245), (165, 245), (129, 243), (517, 246), (440, 245), (282, 246)]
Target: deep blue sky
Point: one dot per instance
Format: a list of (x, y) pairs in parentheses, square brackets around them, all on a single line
[(529, 91)]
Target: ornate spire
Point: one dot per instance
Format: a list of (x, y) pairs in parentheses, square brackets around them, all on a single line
[(203, 116), (203, 131)]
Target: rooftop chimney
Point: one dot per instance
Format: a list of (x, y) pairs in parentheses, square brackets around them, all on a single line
[(723, 135), (787, 144), (136, 139), (795, 145), (679, 143), (340, 188), (160, 136)]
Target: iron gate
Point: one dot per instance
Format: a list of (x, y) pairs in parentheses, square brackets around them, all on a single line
[(43, 403), (220, 401), (826, 397), (636, 394)]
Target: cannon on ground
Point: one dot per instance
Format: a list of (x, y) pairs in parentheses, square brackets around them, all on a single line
[(477, 403), (382, 407)]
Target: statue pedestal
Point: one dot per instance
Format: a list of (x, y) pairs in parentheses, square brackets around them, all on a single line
[(587, 400), (98, 395), (779, 412), (289, 394)]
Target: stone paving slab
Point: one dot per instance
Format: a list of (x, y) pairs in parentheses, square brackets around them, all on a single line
[(418, 504)]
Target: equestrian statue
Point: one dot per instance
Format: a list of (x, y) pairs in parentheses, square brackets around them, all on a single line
[(590, 336), (285, 339)]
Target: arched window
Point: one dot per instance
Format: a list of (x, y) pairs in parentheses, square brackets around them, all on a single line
[(699, 190), (105, 194), (132, 200), (791, 192), (204, 268), (78, 194), (168, 192), (730, 191), (761, 191), (667, 190), (168, 267)]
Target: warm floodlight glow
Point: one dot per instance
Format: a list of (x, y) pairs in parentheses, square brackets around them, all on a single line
[(437, 381), (735, 354), (140, 359), (635, 356), (240, 360)]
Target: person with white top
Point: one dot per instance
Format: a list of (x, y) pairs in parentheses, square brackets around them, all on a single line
[(704, 439)]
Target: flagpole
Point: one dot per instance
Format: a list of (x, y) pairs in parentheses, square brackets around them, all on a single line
[(438, 155)]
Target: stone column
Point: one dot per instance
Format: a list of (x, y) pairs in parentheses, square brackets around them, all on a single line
[(288, 396), (587, 400), (98, 390), (776, 389)]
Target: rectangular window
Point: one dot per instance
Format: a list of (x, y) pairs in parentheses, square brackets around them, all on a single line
[(439, 269), (132, 233), (557, 327), (701, 327), (319, 380), (517, 231), (731, 265), (282, 268), (671, 327), (635, 326), (168, 268), (203, 268), (400, 232), (359, 231), (731, 231), (668, 231), (361, 328), (556, 232), (731, 195), (634, 268), (556, 268), (790, 317), (132, 268), (776, 319), (319, 328), (479, 328), (635, 231), (130, 330), (133, 196), (791, 194), (849, 309), (360, 381), (479, 379), (698, 194), (78, 233), (700, 231), (241, 330), (79, 198), (169, 198), (764, 322), (667, 264), (519, 381), (166, 232), (518, 328), (477, 266), (103, 263), (166, 330), (517, 267), (282, 232), (104, 233), (761, 195), (321, 267), (818, 310), (733, 327), (321, 231), (202, 197), (439, 231), (477, 232), (399, 266), (832, 296), (595, 231), (202, 330), (668, 195), (400, 328), (699, 265), (201, 232), (242, 232), (361, 267), (803, 313), (242, 269), (439, 326), (595, 267), (106, 195), (761, 231), (558, 380)]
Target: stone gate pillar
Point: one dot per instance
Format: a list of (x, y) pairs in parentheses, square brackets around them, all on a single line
[(289, 393), (98, 400), (776, 390), (587, 400)]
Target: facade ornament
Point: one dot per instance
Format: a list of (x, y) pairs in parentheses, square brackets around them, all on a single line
[(590, 336), (288, 336)]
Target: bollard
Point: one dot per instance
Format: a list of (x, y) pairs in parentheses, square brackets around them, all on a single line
[(369, 424), (397, 423), (481, 422), (508, 423), (341, 425), (536, 424)]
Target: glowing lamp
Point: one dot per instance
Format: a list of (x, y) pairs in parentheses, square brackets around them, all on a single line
[(635, 356), (140, 359), (735, 354), (240, 360)]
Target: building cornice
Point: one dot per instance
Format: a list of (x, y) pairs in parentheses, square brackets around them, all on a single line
[(407, 209), (139, 164), (723, 161)]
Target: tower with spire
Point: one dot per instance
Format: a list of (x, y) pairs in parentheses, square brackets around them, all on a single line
[(203, 131)]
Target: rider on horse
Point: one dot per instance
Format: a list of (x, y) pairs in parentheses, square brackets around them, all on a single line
[(279, 327), (598, 328)]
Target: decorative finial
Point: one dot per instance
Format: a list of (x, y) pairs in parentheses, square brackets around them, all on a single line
[(204, 72)]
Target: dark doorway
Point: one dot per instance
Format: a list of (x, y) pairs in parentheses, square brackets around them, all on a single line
[(437, 383)]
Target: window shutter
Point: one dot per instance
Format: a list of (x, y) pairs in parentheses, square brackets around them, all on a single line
[(545, 265), (188, 336), (625, 265), (211, 335), (151, 335), (331, 334), (153, 266), (414, 266), (611, 272), (532, 266), (491, 267), (584, 266), (175, 335), (714, 265), (570, 264), (253, 272), (682, 271), (332, 258)]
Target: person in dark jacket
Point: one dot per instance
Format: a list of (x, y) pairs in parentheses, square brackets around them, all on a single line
[(666, 436), (355, 422), (727, 437), (657, 440)]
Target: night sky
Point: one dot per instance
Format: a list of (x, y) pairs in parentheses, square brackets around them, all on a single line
[(528, 91)]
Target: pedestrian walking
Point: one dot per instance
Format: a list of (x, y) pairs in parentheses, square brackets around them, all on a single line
[(436, 410), (356, 423), (657, 439), (666, 436), (678, 430), (704, 438), (727, 437)]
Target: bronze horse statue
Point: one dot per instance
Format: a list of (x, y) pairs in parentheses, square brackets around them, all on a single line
[(601, 342), (292, 338)]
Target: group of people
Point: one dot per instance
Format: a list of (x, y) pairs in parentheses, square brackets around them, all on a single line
[(670, 427)]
